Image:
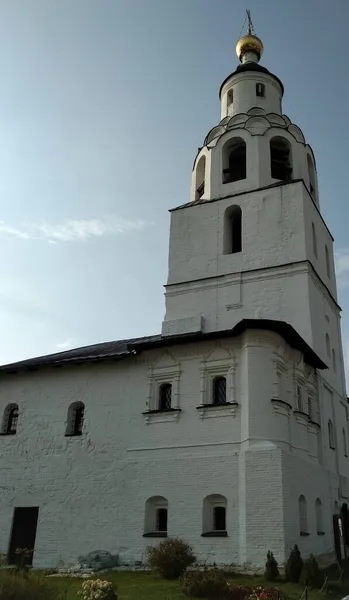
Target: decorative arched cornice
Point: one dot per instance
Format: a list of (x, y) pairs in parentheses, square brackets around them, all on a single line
[(257, 122)]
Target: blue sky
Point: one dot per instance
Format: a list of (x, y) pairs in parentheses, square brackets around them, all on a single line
[(103, 105)]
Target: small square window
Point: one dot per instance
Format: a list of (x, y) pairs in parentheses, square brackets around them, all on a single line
[(260, 90)]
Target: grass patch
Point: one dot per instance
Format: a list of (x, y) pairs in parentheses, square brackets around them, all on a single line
[(148, 586)]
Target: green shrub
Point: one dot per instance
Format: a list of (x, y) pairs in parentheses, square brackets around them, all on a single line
[(271, 567), (97, 588), (19, 585), (209, 583), (171, 558), (294, 565), (311, 574)]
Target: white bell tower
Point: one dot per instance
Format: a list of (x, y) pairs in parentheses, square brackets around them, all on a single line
[(252, 243)]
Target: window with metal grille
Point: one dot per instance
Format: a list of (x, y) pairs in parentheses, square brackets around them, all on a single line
[(219, 523), (75, 420), (161, 519), (165, 396), (12, 421), (260, 90), (219, 391)]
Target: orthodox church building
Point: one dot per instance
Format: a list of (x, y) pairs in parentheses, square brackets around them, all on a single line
[(229, 429)]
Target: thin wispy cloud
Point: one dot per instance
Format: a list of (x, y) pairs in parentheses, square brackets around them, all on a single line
[(341, 258), (73, 230), (65, 345)]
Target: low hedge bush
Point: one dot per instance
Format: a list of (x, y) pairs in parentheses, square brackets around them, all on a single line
[(171, 558)]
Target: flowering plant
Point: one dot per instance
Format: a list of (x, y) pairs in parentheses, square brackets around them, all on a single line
[(263, 593), (97, 589)]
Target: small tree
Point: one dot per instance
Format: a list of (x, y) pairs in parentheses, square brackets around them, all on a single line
[(171, 558), (271, 567), (294, 565), (311, 574)]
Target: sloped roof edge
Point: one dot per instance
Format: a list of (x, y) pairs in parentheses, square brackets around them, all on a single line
[(124, 348)]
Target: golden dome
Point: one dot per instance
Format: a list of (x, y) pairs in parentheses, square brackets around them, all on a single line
[(249, 43)]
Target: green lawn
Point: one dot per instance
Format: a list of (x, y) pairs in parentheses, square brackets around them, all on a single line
[(147, 586)]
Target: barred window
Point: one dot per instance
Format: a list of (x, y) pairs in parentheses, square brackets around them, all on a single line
[(219, 390), (75, 420), (165, 396), (10, 420)]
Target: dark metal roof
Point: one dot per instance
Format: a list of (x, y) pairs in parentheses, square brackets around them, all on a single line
[(125, 348), (94, 353), (252, 66)]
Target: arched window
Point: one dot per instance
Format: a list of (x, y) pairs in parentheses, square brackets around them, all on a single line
[(165, 396), (214, 515), (200, 178), (234, 160), (310, 408), (327, 257), (232, 241), (219, 390), (319, 517), (260, 90), (334, 361), (314, 239), (10, 420), (75, 420), (311, 172), (328, 345), (345, 450), (303, 518), (156, 515), (230, 98), (299, 398), (280, 159), (331, 435)]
